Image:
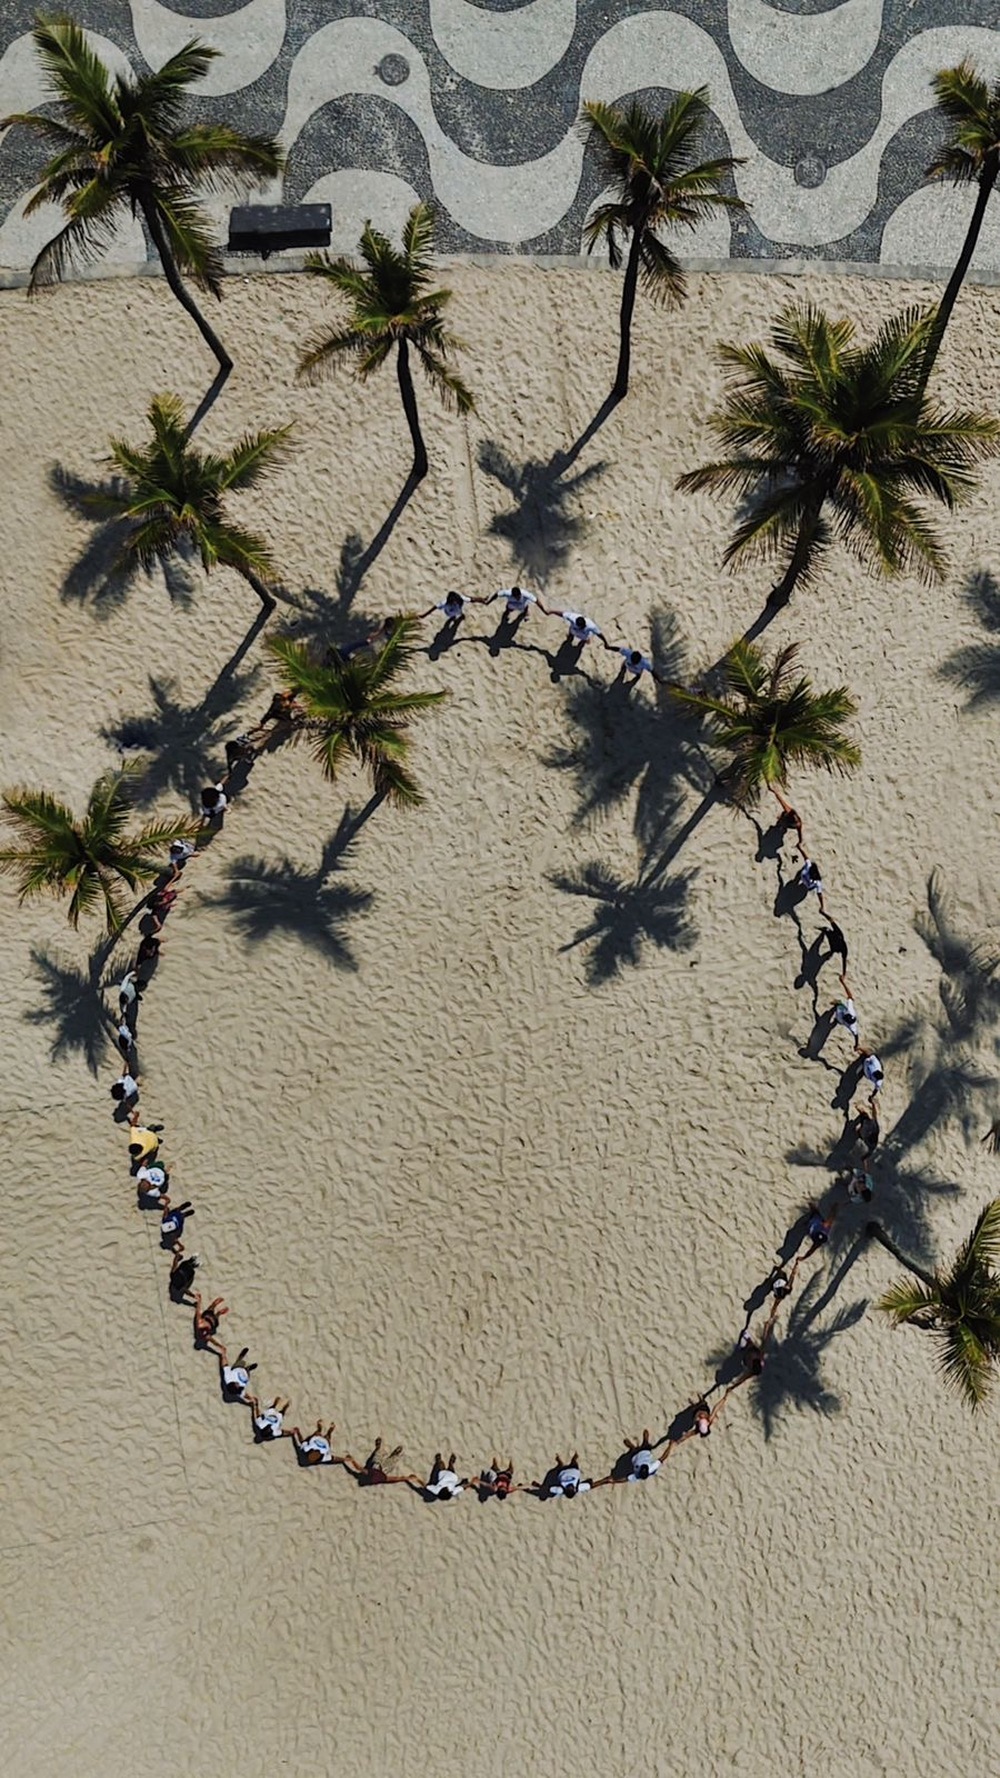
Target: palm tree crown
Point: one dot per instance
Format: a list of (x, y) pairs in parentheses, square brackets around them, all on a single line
[(960, 1306), (393, 303), (823, 426), (970, 107), (174, 495), (659, 183), (89, 859), (350, 707), (769, 719), (121, 145)]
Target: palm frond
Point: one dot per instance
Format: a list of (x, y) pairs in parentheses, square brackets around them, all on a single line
[(324, 350), (77, 77), (981, 1251), (971, 107), (218, 156), (190, 237), (257, 455), (446, 381), (243, 550), (418, 239), (83, 240), (966, 1363), (909, 1300), (609, 223), (662, 273)]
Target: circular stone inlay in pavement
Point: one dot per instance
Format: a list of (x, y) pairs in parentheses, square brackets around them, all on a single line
[(393, 70), (810, 170)]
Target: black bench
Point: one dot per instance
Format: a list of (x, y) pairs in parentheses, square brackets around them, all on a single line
[(268, 228)]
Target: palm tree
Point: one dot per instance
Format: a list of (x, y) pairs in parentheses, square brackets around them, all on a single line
[(960, 1306), (971, 107), (769, 718), (88, 860), (391, 304), (831, 427), (173, 496), (659, 183), (121, 144), (349, 707)]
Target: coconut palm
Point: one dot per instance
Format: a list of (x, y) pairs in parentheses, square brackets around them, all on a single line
[(89, 859), (970, 105), (392, 304), (172, 496), (122, 145), (349, 706), (828, 438), (659, 183), (960, 1306), (769, 718)]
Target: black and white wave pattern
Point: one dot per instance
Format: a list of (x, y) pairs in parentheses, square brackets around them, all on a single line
[(474, 105)]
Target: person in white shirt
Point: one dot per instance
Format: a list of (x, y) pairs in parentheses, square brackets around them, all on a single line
[(860, 1186), (582, 629), (846, 1013), (452, 608), (129, 989), (235, 1378), (150, 1185), (180, 852), (443, 1482), (213, 803), (517, 600), (316, 1448), (873, 1070), (269, 1422), (642, 1463), (634, 664), (126, 1090), (568, 1480), (812, 881)]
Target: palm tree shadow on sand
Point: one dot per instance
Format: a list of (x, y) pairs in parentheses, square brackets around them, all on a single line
[(98, 578), (72, 1003), (628, 916), (324, 618), (627, 743), (975, 669), (265, 898), (183, 743), (792, 1378), (541, 526)]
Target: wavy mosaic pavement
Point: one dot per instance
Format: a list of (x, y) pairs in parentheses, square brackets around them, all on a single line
[(473, 103)]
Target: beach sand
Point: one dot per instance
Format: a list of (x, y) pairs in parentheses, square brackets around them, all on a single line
[(467, 1177)]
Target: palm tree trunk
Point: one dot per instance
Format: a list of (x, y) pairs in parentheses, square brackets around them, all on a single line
[(183, 295), (266, 598), (801, 554), (629, 288), (113, 939), (877, 1233), (987, 181), (408, 394)]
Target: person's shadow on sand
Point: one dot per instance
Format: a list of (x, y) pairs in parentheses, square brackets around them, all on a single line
[(812, 1049), (849, 1083)]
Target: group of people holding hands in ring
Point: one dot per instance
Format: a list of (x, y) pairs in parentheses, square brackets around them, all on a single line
[(642, 1458)]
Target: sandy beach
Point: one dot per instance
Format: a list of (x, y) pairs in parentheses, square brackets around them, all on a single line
[(468, 1177)]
